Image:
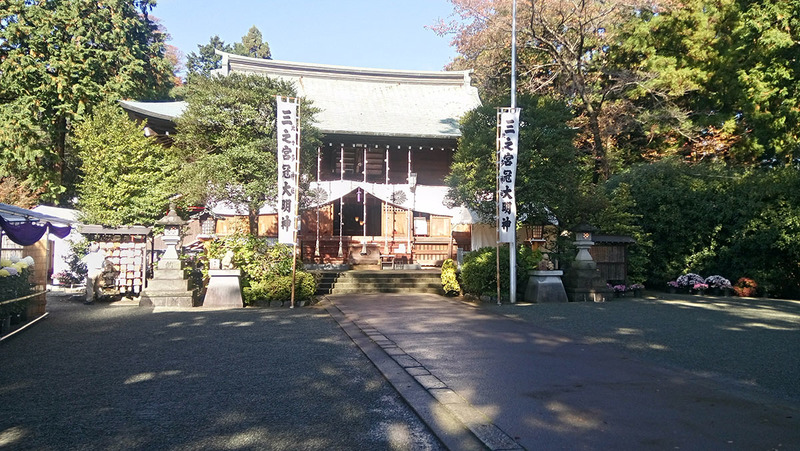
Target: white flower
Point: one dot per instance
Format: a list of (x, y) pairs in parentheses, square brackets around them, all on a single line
[(14, 259), (28, 260)]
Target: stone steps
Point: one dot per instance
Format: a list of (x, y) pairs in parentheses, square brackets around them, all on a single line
[(386, 281)]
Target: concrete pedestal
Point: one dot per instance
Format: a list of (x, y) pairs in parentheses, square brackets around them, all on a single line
[(224, 289), (545, 286)]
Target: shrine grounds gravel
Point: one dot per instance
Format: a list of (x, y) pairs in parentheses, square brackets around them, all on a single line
[(750, 342), (103, 377)]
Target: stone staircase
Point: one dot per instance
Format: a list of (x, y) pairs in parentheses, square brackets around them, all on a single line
[(381, 281)]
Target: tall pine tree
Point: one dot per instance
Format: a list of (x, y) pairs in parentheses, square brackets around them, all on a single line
[(58, 59)]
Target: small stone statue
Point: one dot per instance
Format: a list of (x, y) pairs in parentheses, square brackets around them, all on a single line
[(227, 260)]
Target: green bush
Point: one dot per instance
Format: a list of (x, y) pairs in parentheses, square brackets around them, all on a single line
[(266, 268), (479, 271), (712, 219), (449, 279), (279, 288)]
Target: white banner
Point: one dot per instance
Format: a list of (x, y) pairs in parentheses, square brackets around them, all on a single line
[(288, 131), (507, 148)]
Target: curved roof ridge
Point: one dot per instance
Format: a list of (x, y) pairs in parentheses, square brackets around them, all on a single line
[(293, 68)]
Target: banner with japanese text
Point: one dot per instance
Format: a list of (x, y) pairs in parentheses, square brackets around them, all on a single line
[(288, 131), (507, 149)]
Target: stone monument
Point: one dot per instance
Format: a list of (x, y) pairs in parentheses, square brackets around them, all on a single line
[(168, 288)]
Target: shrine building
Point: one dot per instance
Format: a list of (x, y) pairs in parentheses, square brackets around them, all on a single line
[(388, 141)]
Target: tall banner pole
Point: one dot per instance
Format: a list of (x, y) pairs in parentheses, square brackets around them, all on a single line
[(512, 246), (288, 135), (507, 150), (497, 204)]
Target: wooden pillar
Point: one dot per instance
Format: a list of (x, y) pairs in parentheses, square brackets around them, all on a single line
[(411, 208), (386, 249), (319, 164), (341, 202), (364, 204)]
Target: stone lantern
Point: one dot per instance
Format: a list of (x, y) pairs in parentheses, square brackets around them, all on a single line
[(168, 287), (582, 280), (583, 241), (172, 233)]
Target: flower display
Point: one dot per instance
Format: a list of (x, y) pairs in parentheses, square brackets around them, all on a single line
[(619, 288), (718, 282), (11, 270), (745, 287), (690, 279), (14, 274), (700, 286), (673, 284), (636, 286)]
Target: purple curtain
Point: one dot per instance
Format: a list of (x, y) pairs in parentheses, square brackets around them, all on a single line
[(29, 233), (60, 232)]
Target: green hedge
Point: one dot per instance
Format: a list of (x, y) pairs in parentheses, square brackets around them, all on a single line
[(479, 271), (266, 269), (712, 219), (279, 288)]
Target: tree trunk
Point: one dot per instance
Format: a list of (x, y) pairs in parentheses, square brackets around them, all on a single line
[(60, 149), (599, 150), (252, 217)]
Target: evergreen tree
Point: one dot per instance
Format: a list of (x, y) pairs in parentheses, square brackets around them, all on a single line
[(127, 177), (227, 138), (252, 45), (57, 60), (548, 171), (206, 60)]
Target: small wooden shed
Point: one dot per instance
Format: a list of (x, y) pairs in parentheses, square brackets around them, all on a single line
[(610, 252)]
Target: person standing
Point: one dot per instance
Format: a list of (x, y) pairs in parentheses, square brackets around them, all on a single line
[(94, 268)]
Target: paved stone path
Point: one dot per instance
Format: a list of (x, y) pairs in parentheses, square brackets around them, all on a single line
[(536, 388)]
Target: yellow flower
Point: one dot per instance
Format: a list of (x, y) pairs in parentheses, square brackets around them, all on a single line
[(4, 273), (20, 265), (5, 262)]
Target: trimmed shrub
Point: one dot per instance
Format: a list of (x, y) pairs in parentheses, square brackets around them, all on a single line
[(479, 271), (266, 269), (279, 288), (449, 278)]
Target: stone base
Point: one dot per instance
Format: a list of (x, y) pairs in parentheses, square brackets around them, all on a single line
[(545, 286), (166, 299), (224, 289), (584, 284)]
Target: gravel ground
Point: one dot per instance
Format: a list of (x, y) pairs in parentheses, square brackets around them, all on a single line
[(750, 341), (128, 378)]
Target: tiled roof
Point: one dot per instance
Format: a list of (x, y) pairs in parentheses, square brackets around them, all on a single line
[(359, 101), (162, 110)]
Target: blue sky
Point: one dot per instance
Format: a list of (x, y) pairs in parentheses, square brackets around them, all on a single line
[(386, 34)]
